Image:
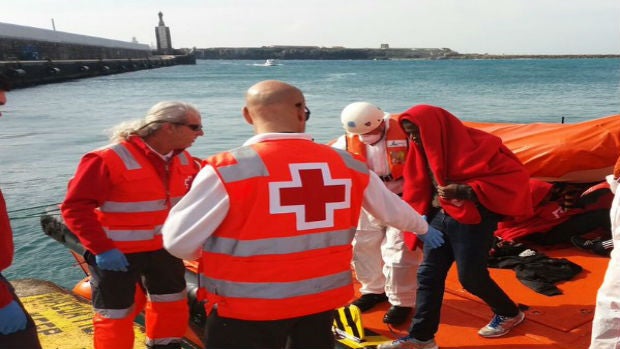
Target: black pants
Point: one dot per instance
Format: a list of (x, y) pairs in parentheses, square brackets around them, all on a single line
[(24, 339), (311, 331), (157, 271)]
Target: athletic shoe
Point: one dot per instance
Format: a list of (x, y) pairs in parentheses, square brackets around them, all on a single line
[(369, 300), (500, 325), (396, 315), (409, 343), (597, 246)]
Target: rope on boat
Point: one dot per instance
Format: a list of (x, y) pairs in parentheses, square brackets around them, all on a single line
[(26, 213)]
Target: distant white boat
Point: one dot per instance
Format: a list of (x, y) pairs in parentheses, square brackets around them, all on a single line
[(270, 62)]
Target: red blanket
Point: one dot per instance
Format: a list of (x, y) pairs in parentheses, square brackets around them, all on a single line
[(459, 154), (549, 214)]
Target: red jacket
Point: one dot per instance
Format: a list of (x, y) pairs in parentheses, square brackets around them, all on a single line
[(6, 250), (90, 188)]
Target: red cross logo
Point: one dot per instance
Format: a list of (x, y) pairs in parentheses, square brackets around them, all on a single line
[(312, 195)]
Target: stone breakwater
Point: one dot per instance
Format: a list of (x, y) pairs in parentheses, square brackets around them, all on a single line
[(30, 73)]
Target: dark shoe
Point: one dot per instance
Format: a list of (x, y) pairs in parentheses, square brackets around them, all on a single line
[(597, 246), (367, 301), (396, 315)]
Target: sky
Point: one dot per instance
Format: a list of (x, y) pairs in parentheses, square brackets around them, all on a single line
[(465, 26)]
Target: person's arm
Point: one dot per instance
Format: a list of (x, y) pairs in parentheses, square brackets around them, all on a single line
[(196, 216), (87, 191), (390, 208), (6, 251)]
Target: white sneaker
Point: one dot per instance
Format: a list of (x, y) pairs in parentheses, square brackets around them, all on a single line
[(500, 325), (409, 343)]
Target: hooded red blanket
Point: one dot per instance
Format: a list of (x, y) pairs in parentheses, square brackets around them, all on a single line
[(459, 154)]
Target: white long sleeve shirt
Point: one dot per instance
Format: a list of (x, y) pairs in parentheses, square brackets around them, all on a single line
[(200, 212)]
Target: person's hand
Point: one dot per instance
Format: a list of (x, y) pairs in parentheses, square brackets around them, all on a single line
[(12, 318), (113, 260), (433, 237), (456, 191)]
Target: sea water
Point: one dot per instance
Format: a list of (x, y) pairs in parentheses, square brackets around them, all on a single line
[(45, 129)]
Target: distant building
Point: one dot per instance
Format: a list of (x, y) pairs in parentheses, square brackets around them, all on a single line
[(385, 46), (164, 43)]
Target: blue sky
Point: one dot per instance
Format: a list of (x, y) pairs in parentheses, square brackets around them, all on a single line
[(466, 26)]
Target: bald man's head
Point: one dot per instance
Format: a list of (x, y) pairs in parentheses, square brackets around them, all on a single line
[(275, 106)]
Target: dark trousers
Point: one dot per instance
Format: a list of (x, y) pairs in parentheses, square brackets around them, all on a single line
[(468, 245), (311, 331), (157, 271), (25, 339)]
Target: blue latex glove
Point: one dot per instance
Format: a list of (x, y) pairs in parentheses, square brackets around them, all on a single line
[(433, 237), (113, 260), (12, 318)]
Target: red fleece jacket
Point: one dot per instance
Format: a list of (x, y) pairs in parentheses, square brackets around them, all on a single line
[(459, 154), (6, 250)]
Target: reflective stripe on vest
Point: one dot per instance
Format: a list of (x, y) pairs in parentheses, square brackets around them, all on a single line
[(140, 206), (131, 163), (278, 290), (249, 165), (133, 234), (249, 248)]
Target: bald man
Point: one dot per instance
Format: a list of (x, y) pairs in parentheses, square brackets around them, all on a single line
[(271, 223)]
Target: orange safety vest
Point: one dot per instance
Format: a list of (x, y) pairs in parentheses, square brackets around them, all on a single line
[(284, 248), (140, 200), (396, 146)]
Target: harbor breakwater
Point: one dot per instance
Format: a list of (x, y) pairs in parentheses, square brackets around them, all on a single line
[(30, 73), (32, 56)]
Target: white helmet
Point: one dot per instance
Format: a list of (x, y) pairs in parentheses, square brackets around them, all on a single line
[(361, 117)]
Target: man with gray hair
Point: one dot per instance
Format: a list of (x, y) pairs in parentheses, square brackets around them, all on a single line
[(116, 204)]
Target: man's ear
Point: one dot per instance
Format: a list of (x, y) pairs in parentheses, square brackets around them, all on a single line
[(246, 115)]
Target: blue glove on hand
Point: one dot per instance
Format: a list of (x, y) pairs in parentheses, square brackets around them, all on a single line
[(113, 260), (12, 318), (433, 237)]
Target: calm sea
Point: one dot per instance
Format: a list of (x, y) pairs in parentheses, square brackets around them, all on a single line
[(45, 130)]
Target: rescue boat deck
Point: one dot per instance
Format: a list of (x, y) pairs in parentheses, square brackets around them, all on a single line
[(561, 321)]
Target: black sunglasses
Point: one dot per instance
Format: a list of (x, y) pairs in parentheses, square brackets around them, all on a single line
[(306, 110), (193, 127)]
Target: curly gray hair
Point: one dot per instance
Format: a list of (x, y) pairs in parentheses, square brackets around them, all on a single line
[(162, 112)]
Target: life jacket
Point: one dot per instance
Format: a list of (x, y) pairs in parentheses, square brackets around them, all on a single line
[(284, 248), (396, 146), (139, 200)]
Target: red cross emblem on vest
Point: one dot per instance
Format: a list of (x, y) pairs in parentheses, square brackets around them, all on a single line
[(312, 195)]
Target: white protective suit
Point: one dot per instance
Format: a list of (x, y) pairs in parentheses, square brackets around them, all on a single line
[(606, 322), (381, 261)]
